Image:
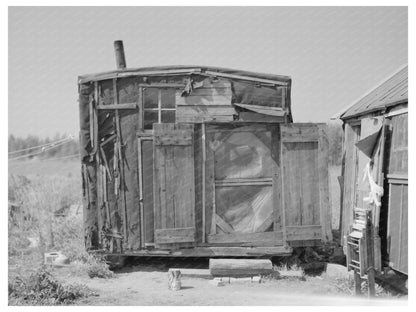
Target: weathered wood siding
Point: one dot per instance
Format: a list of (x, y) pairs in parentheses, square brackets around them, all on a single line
[(307, 214), (209, 102), (398, 195), (174, 185), (399, 145), (350, 161), (398, 226)]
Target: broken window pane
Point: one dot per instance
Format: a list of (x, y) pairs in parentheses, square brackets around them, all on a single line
[(244, 208)]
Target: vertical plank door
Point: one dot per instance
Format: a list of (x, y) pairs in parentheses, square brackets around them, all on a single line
[(305, 193), (173, 184)]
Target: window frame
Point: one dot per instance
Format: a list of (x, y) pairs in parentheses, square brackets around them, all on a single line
[(159, 109)]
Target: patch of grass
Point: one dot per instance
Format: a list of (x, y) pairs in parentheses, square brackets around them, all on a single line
[(41, 288), (98, 268)]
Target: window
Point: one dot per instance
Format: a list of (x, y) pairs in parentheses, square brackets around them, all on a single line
[(158, 106)]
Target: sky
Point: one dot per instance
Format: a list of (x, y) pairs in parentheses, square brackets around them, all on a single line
[(333, 54)]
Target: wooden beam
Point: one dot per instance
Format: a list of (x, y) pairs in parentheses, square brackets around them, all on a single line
[(162, 85), (248, 239), (213, 252), (265, 110), (177, 235), (117, 106), (267, 223), (239, 267), (305, 232), (108, 140), (204, 160), (256, 117), (223, 225), (241, 182), (267, 81)]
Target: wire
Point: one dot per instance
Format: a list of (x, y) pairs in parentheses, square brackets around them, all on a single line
[(71, 137), (39, 152), (69, 156)]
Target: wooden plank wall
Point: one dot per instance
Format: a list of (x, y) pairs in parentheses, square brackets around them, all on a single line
[(351, 136), (398, 226), (305, 182), (398, 195), (399, 149), (211, 102)]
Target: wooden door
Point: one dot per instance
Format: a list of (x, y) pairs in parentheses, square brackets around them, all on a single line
[(305, 193), (174, 185)]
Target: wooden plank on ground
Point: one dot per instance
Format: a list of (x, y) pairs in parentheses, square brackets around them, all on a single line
[(239, 267), (199, 273)]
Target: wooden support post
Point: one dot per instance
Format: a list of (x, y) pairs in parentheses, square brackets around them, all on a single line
[(174, 279), (357, 282), (120, 57), (370, 255), (119, 162), (204, 161)]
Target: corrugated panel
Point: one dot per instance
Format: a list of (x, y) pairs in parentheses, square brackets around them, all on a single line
[(393, 90)]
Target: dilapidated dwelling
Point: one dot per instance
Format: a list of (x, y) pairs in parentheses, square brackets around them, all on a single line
[(199, 161), (375, 168)]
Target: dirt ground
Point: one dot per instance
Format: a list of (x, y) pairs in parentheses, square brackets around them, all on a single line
[(147, 285)]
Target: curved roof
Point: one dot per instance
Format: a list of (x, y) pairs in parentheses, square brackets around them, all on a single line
[(186, 69), (392, 91)]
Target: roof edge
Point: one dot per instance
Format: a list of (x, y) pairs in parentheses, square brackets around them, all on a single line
[(181, 69), (346, 108)]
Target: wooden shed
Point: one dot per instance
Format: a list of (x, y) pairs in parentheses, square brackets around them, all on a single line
[(375, 168), (199, 161)]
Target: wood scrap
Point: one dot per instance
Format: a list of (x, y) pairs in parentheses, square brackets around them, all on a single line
[(239, 267)]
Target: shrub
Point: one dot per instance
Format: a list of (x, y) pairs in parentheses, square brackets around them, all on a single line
[(41, 288), (97, 267)]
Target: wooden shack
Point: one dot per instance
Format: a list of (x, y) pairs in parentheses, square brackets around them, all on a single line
[(199, 161), (376, 146)]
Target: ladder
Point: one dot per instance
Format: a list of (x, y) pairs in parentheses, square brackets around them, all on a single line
[(357, 242), (360, 249)]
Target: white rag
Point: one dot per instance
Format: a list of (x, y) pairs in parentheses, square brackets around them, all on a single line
[(376, 191)]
